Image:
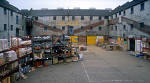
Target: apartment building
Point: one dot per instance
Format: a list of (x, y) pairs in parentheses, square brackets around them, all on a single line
[(132, 19), (70, 21), (12, 22), (128, 20)]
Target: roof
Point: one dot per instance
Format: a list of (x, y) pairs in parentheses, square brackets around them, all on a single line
[(127, 5), (71, 12), (5, 4), (25, 12)]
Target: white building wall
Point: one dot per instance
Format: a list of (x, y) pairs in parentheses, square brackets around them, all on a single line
[(48, 20), (138, 15), (12, 21)]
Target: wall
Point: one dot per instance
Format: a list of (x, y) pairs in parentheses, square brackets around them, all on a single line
[(139, 16), (48, 20), (12, 21)]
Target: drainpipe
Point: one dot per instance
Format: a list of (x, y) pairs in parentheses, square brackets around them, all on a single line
[(8, 30)]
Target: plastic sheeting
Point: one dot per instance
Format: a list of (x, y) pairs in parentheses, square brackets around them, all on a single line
[(10, 55), (3, 44)]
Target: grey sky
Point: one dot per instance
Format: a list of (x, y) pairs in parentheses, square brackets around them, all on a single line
[(53, 4)]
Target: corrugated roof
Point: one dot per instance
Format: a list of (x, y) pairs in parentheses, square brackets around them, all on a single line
[(71, 12)]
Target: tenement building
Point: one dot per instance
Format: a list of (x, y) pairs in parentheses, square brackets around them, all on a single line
[(70, 21), (131, 19), (12, 22)]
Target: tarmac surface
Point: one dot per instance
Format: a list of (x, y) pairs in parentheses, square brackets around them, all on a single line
[(98, 66)]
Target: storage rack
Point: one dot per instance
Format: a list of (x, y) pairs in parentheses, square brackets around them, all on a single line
[(146, 49), (6, 73), (42, 44), (62, 47)]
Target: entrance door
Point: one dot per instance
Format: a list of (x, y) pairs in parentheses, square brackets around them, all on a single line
[(17, 32), (91, 40), (71, 30), (132, 45)]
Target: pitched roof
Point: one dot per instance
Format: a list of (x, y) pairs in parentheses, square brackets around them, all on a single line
[(126, 6), (25, 12), (71, 12), (5, 4)]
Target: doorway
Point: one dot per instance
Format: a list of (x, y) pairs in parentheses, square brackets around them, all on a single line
[(17, 32), (132, 44)]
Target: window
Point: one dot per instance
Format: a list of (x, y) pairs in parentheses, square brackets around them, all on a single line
[(17, 20), (116, 15), (45, 28), (124, 27), (124, 12), (91, 17), (119, 12), (124, 34), (54, 17), (100, 28), (54, 27), (5, 27), (91, 28), (116, 28), (142, 6), (11, 13), (81, 27), (100, 18), (5, 11), (73, 17), (63, 17), (36, 18), (132, 10), (63, 28), (106, 17), (11, 27), (131, 25), (142, 24), (82, 17)]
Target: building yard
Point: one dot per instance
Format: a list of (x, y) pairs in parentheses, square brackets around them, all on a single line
[(43, 43), (98, 66)]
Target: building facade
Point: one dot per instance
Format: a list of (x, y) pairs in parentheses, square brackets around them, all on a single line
[(133, 19), (12, 22), (70, 21), (130, 19)]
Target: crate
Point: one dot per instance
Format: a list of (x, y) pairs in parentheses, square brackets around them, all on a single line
[(55, 60), (75, 58), (6, 80), (68, 60), (60, 61), (13, 78), (2, 61), (12, 66)]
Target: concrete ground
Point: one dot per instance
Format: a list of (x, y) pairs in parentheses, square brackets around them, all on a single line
[(98, 66)]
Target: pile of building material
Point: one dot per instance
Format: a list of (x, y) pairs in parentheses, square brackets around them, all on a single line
[(2, 60), (24, 56), (3, 44), (18, 54)]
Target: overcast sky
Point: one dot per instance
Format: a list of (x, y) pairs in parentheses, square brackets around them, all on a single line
[(54, 4)]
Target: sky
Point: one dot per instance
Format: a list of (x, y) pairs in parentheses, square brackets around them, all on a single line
[(54, 4)]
